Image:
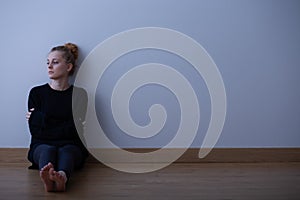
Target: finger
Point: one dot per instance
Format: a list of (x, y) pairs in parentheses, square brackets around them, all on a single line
[(28, 115), (31, 109)]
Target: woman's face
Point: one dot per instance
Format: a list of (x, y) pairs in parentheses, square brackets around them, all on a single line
[(57, 66)]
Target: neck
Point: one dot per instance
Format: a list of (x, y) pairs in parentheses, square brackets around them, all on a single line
[(61, 84)]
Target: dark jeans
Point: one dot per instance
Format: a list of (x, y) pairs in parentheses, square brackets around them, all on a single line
[(65, 158)]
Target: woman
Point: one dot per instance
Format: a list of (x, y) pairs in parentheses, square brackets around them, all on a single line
[(56, 148)]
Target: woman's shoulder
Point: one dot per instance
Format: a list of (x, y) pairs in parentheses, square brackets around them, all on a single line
[(79, 90), (38, 88), (79, 94)]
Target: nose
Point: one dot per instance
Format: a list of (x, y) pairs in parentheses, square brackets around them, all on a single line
[(50, 66)]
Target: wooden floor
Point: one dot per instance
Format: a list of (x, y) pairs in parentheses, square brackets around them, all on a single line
[(177, 181)]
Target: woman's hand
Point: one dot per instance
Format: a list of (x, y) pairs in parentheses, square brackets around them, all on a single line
[(29, 113)]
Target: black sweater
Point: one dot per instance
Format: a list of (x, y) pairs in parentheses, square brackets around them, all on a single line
[(52, 120)]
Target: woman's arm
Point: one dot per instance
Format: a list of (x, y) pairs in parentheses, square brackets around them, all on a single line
[(36, 119)]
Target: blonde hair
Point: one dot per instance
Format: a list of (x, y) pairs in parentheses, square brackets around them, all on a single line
[(70, 54)]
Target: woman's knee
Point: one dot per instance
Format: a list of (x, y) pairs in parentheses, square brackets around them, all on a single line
[(44, 149), (70, 149)]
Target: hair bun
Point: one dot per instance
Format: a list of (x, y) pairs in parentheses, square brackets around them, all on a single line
[(73, 48)]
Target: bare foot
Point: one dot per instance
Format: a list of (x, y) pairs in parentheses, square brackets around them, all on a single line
[(44, 174), (59, 179)]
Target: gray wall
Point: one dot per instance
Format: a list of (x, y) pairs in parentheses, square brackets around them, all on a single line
[(255, 44)]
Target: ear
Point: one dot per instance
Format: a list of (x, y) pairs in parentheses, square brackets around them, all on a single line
[(70, 67)]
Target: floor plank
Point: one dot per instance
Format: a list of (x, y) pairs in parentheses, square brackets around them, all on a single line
[(217, 155), (177, 181)]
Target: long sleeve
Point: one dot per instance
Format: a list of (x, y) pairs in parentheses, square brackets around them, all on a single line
[(80, 100), (37, 119)]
